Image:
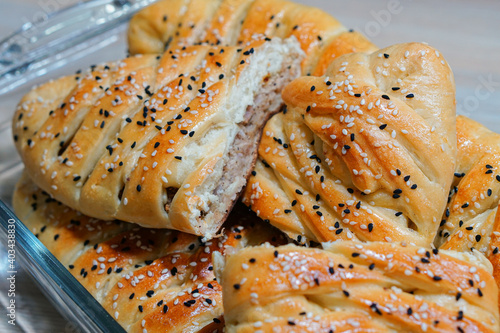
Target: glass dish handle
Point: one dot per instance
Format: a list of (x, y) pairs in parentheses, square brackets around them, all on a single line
[(37, 48)]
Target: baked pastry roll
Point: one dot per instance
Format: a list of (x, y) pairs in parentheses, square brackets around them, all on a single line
[(469, 219), (356, 287), (147, 279), (175, 23), (163, 141), (365, 152)]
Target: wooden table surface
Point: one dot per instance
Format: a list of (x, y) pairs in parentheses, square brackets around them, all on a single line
[(466, 32)]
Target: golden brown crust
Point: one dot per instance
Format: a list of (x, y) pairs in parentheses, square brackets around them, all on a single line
[(145, 139), (66, 230), (151, 27), (469, 218), (312, 27), (158, 280), (345, 43), (494, 254), (372, 287), (366, 152), (238, 21)]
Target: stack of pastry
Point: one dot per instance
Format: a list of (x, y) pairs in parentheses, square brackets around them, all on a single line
[(368, 216)]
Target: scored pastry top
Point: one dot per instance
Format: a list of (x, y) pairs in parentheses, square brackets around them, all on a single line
[(175, 23), (355, 287), (365, 152)]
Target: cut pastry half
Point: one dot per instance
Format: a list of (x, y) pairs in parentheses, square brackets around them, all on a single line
[(163, 141)]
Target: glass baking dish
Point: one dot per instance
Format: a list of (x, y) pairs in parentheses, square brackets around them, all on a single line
[(88, 33), (66, 293)]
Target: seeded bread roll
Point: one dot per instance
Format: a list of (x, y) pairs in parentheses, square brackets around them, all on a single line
[(469, 218), (366, 152), (175, 23), (147, 279), (356, 287), (165, 142)]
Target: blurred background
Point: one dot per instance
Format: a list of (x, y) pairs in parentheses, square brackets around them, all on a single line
[(467, 33)]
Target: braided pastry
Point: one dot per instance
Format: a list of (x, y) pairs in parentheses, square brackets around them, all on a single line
[(165, 142), (233, 22), (366, 152), (469, 218), (355, 287), (147, 279)]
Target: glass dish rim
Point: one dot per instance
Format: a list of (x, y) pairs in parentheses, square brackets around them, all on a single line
[(37, 259)]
